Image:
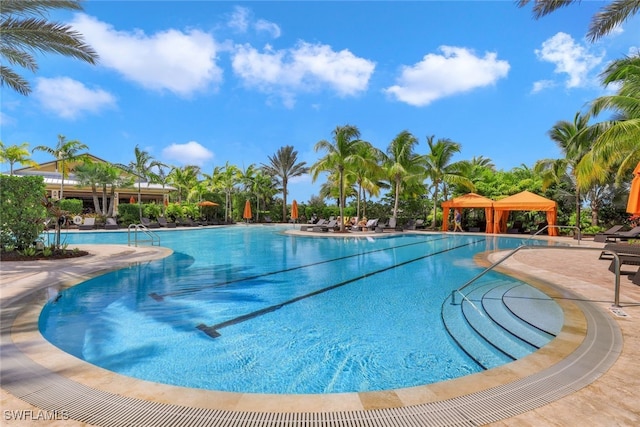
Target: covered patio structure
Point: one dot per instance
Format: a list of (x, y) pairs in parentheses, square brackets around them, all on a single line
[(468, 201), (524, 201)]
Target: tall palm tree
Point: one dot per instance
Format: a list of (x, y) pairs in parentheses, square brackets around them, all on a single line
[(264, 188), (340, 156), (163, 176), (401, 164), (184, 179), (64, 153), (16, 154), (602, 23), (440, 170), (367, 172), (226, 178), (283, 166), (575, 140), (618, 139), (142, 167), (22, 35)]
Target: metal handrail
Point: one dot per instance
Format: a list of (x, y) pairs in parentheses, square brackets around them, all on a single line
[(141, 228), (575, 227), (616, 285)]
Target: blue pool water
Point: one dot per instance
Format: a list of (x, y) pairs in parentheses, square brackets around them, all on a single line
[(250, 309)]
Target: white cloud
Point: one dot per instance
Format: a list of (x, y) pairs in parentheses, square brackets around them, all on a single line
[(304, 68), (69, 98), (541, 85), (570, 58), (271, 28), (239, 19), (457, 70), (180, 62), (190, 153)]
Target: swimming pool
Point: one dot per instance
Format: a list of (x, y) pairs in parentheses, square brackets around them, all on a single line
[(250, 309)]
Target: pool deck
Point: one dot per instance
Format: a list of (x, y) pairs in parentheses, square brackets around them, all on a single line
[(612, 399)]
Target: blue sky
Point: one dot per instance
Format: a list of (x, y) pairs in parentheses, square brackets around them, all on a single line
[(203, 82)]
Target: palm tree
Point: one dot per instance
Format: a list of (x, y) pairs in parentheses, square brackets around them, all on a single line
[(602, 23), (401, 163), (283, 166), (184, 179), (16, 154), (163, 177), (367, 172), (440, 170), (226, 178), (64, 152), (263, 187), (340, 157), (142, 168), (575, 140), (617, 142), (23, 35)]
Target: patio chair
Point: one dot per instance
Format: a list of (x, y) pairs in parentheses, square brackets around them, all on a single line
[(602, 237), (164, 223), (147, 223), (87, 224), (392, 224), (624, 235), (111, 224)]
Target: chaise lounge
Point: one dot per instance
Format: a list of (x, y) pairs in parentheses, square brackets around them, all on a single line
[(87, 224)]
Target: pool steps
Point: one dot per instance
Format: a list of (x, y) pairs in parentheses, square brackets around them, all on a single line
[(501, 321)]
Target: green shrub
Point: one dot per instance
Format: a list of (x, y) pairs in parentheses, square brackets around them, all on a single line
[(128, 213), (22, 214), (173, 211), (152, 210), (73, 206)]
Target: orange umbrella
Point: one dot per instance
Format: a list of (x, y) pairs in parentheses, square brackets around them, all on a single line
[(207, 203), (132, 200), (247, 211), (294, 211), (633, 204)]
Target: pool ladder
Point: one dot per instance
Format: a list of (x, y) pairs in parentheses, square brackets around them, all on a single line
[(137, 230)]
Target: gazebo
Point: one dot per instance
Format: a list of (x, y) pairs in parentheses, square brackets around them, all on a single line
[(468, 201), (524, 201)]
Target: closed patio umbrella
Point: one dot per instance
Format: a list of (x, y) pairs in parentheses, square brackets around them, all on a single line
[(247, 211), (633, 203), (132, 200), (294, 211)]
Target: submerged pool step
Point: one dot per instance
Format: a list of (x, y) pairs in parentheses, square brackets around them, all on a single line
[(482, 323), (507, 305), (500, 321), (472, 343), (535, 308)]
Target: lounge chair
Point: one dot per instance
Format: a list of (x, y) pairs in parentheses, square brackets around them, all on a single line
[(164, 223), (147, 223), (185, 222), (392, 224), (370, 225), (602, 237), (419, 224), (624, 235), (87, 224), (331, 225), (111, 224)]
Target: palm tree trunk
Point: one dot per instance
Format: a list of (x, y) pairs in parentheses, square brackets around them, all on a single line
[(341, 200), (435, 205), (396, 202)]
